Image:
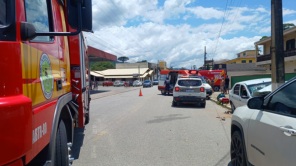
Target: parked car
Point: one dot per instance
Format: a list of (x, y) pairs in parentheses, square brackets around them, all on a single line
[(242, 91), (147, 83), (209, 89), (137, 83), (155, 82), (118, 83), (264, 131), (107, 83), (128, 83), (189, 90)]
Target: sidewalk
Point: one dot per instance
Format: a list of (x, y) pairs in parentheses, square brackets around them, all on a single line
[(214, 98)]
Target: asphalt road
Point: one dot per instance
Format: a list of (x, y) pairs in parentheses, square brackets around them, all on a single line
[(131, 130)]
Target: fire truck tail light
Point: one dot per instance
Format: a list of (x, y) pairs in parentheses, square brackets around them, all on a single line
[(202, 89), (177, 89)]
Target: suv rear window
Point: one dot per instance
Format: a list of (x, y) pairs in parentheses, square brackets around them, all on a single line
[(189, 82)]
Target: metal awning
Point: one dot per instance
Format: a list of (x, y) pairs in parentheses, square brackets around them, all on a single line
[(96, 74), (150, 72), (118, 77), (144, 75)]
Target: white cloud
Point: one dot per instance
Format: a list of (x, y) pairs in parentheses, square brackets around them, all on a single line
[(288, 12), (152, 38), (206, 13)]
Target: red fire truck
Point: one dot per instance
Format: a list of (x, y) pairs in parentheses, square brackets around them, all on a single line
[(172, 76), (44, 79), (215, 76)]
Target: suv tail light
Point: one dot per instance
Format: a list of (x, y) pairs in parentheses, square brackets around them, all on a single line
[(202, 89), (177, 89)]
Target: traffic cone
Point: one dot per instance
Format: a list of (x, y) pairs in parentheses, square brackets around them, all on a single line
[(140, 92)]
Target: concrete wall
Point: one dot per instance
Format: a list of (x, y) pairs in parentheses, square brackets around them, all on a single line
[(244, 67)]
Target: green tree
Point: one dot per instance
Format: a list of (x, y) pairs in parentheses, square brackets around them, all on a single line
[(123, 59), (263, 37), (99, 66), (288, 26)]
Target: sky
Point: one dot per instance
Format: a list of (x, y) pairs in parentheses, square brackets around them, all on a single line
[(179, 31)]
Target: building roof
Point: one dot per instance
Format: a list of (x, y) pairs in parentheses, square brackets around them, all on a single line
[(287, 31), (118, 72), (123, 73), (94, 73)]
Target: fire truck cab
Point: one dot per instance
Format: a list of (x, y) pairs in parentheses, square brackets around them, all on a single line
[(44, 79)]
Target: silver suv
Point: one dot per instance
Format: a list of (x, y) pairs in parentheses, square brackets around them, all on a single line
[(264, 131), (189, 90)]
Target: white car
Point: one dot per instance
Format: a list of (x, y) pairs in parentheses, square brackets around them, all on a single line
[(189, 90), (137, 83), (209, 89), (264, 131), (242, 91)]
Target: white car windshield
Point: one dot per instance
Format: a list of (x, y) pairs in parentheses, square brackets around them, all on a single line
[(256, 87)]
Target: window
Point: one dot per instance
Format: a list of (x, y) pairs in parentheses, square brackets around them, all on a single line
[(255, 87), (250, 61), (189, 82), (243, 91), (37, 13), (290, 44), (162, 77), (7, 20), (236, 89), (283, 101), (3, 16), (243, 61)]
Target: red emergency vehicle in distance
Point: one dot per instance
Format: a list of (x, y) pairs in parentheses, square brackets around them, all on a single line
[(215, 76), (172, 76), (44, 79)]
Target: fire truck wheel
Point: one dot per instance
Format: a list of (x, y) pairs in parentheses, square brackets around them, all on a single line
[(61, 154)]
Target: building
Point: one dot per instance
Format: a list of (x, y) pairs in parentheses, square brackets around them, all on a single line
[(162, 65), (128, 72), (247, 56), (244, 67), (264, 57)]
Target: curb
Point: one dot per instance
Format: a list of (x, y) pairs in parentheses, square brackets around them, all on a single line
[(225, 106)]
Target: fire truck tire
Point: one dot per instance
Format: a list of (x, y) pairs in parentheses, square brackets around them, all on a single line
[(61, 153)]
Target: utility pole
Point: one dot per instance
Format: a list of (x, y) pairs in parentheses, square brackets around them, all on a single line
[(277, 44), (205, 57)]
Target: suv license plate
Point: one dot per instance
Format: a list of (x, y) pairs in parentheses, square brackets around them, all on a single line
[(189, 90)]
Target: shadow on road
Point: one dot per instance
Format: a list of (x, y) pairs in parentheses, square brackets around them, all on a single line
[(171, 117), (78, 142)]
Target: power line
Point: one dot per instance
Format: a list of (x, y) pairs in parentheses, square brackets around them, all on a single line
[(223, 20)]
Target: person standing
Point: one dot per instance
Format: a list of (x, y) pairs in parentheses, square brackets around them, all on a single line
[(222, 84), (226, 84)]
